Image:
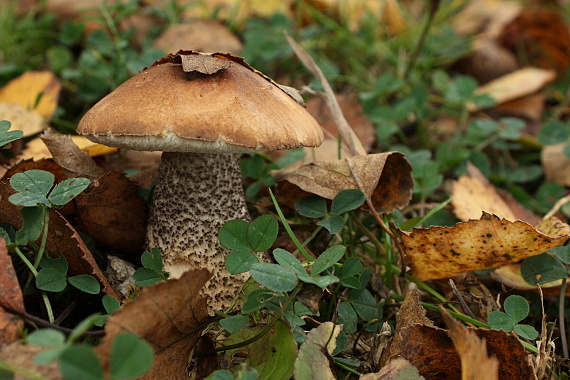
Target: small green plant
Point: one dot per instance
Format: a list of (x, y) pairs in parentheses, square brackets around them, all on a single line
[(516, 309), (130, 356), (7, 136), (53, 277), (151, 271)]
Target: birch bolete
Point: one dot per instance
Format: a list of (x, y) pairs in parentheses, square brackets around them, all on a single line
[(202, 111)]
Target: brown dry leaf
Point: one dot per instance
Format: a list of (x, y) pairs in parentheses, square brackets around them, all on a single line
[(209, 36), (472, 194), (411, 313), (556, 164), (10, 298), (62, 240), (441, 252), (22, 356), (31, 86), (73, 161), (530, 106), (485, 16), (393, 17), (355, 117), (385, 177), (475, 363), (432, 352), (28, 121), (514, 85), (488, 61), (396, 369), (169, 316), (111, 211), (37, 149), (541, 37)]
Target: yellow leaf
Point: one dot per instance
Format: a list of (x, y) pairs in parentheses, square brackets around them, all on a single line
[(33, 90)]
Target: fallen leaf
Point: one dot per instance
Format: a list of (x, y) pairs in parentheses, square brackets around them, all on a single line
[(487, 62), (111, 211), (396, 369), (10, 292), (22, 355), (28, 121), (393, 18), (530, 106), (30, 87), (352, 110), (11, 298), (62, 240), (312, 363), (472, 194), (441, 252), (37, 149), (411, 313), (475, 363), (419, 342), (511, 276), (514, 85), (385, 177), (170, 316), (203, 64), (273, 355), (205, 35), (485, 16), (556, 164), (539, 36), (73, 161)]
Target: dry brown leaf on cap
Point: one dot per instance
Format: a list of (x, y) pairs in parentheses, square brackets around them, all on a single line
[(385, 177), (514, 85), (170, 316), (475, 362), (556, 164), (111, 211), (31, 86), (441, 252), (11, 299)]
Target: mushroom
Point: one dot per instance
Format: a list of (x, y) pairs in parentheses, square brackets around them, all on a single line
[(202, 111)]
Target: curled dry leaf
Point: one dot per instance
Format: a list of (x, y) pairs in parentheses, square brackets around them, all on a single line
[(74, 161), (10, 298), (385, 177), (31, 86), (440, 252), (170, 317), (475, 363), (312, 363), (111, 211)]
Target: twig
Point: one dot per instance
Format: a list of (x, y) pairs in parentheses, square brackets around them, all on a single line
[(460, 298), (561, 202), (561, 317), (347, 134)]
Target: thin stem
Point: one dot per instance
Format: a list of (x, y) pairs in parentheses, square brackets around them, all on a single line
[(24, 372), (289, 230), (344, 366), (420, 44), (265, 330), (561, 317)]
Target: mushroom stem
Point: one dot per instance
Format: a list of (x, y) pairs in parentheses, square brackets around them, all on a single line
[(195, 194)]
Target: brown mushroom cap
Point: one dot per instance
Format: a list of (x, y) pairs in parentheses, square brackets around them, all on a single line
[(234, 109)]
